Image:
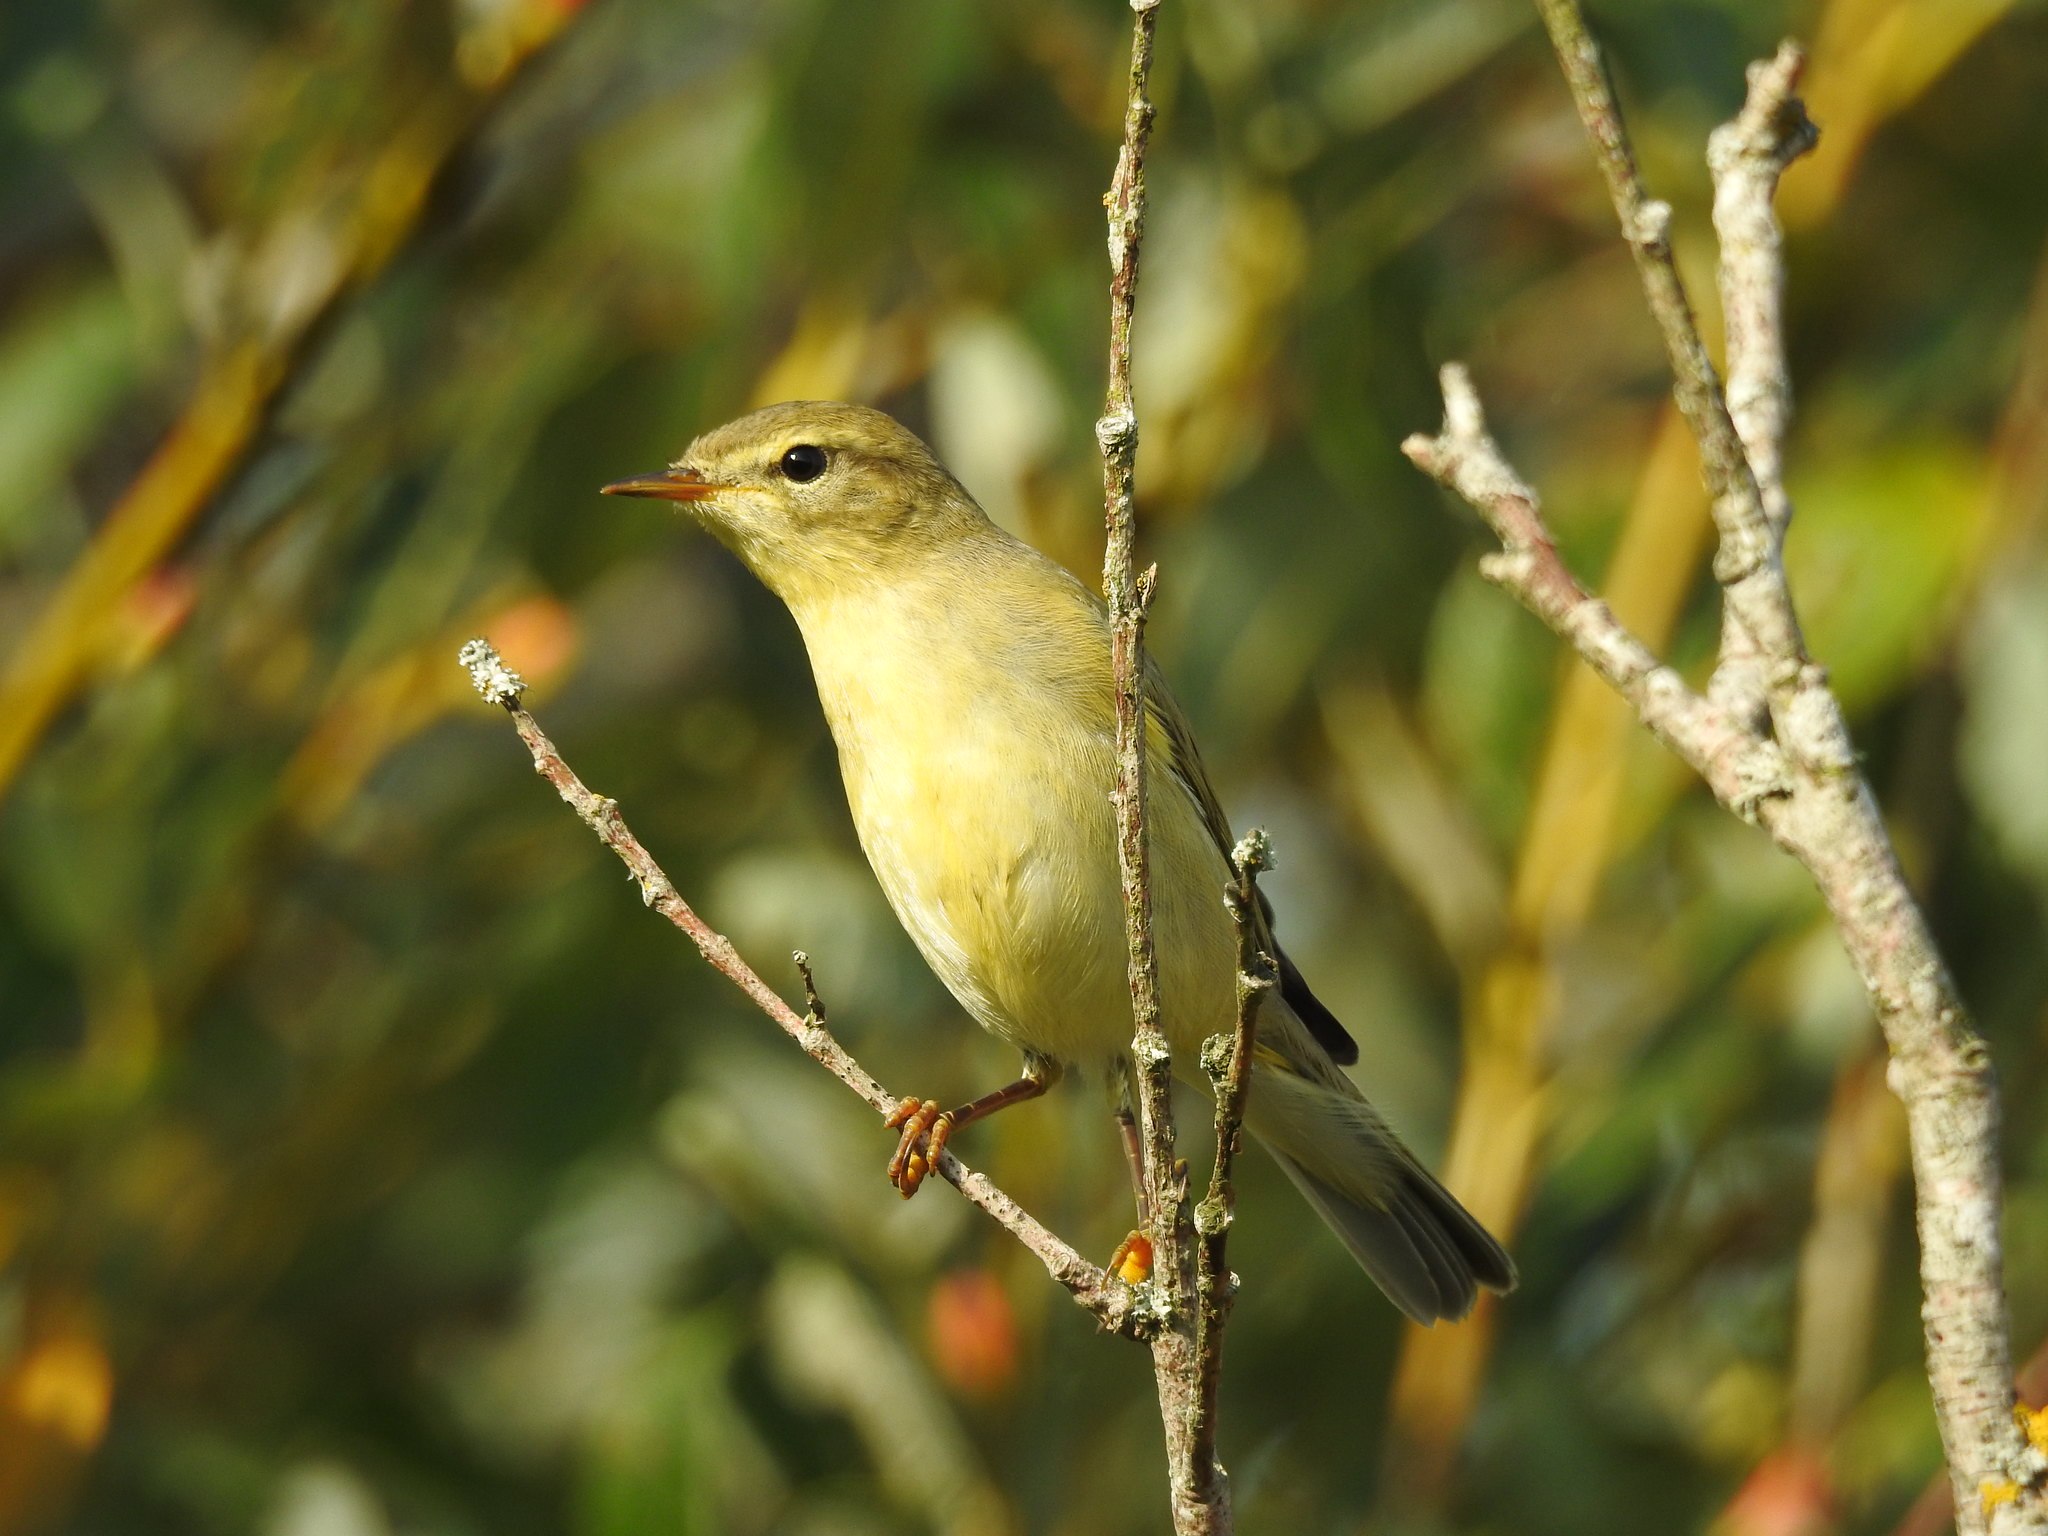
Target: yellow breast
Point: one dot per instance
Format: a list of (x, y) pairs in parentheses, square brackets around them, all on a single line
[(977, 746)]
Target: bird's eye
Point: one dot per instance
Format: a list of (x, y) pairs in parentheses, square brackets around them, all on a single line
[(804, 462)]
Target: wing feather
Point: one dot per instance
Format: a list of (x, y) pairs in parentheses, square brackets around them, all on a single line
[(1171, 742)]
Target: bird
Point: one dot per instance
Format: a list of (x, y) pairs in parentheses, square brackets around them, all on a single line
[(966, 679)]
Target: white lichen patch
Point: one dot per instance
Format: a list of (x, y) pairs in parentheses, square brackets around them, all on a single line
[(498, 683)]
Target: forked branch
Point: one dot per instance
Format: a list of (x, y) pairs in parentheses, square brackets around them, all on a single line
[(1769, 738)]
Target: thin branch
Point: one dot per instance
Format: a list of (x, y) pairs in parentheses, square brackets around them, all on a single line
[(1198, 1489), (1758, 619), (1227, 1062), (1646, 225), (1747, 156), (1112, 1304), (1812, 797), (814, 1007), (1129, 595)]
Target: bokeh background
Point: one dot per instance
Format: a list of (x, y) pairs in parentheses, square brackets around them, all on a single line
[(372, 1164)]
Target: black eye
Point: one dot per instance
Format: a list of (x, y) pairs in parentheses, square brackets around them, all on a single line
[(804, 462)]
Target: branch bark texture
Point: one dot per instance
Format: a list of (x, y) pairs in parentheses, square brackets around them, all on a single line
[(1768, 735), (1227, 1063)]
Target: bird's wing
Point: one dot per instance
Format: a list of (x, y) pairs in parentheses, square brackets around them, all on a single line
[(1171, 741)]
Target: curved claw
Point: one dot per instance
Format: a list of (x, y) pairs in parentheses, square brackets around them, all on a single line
[(926, 1131)]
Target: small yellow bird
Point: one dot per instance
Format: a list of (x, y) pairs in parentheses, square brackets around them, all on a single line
[(966, 679)]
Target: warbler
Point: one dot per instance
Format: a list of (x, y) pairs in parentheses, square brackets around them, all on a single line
[(966, 679)]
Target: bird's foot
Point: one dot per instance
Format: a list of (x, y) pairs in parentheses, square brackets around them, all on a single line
[(1132, 1261), (926, 1129)]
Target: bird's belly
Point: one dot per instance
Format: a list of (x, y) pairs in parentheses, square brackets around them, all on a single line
[(1008, 891), (998, 854)]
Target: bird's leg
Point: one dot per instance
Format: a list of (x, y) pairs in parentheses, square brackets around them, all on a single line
[(1134, 1159), (926, 1130)]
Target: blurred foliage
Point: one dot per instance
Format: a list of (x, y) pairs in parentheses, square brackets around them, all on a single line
[(371, 1163)]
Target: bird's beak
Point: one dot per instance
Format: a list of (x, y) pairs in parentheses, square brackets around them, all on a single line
[(669, 485)]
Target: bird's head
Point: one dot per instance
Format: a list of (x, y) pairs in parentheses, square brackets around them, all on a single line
[(816, 496)]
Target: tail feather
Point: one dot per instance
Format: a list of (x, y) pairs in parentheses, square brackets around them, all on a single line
[(1452, 1269), (1410, 1234), (1422, 1248)]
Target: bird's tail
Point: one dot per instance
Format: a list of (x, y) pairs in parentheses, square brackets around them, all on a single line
[(1419, 1245)]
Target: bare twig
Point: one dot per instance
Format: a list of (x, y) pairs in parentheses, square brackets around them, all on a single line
[(1227, 1062), (1112, 1303), (1198, 1490), (1646, 225), (1757, 619), (1129, 594), (1794, 771), (814, 1007), (1744, 771), (1747, 155)]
